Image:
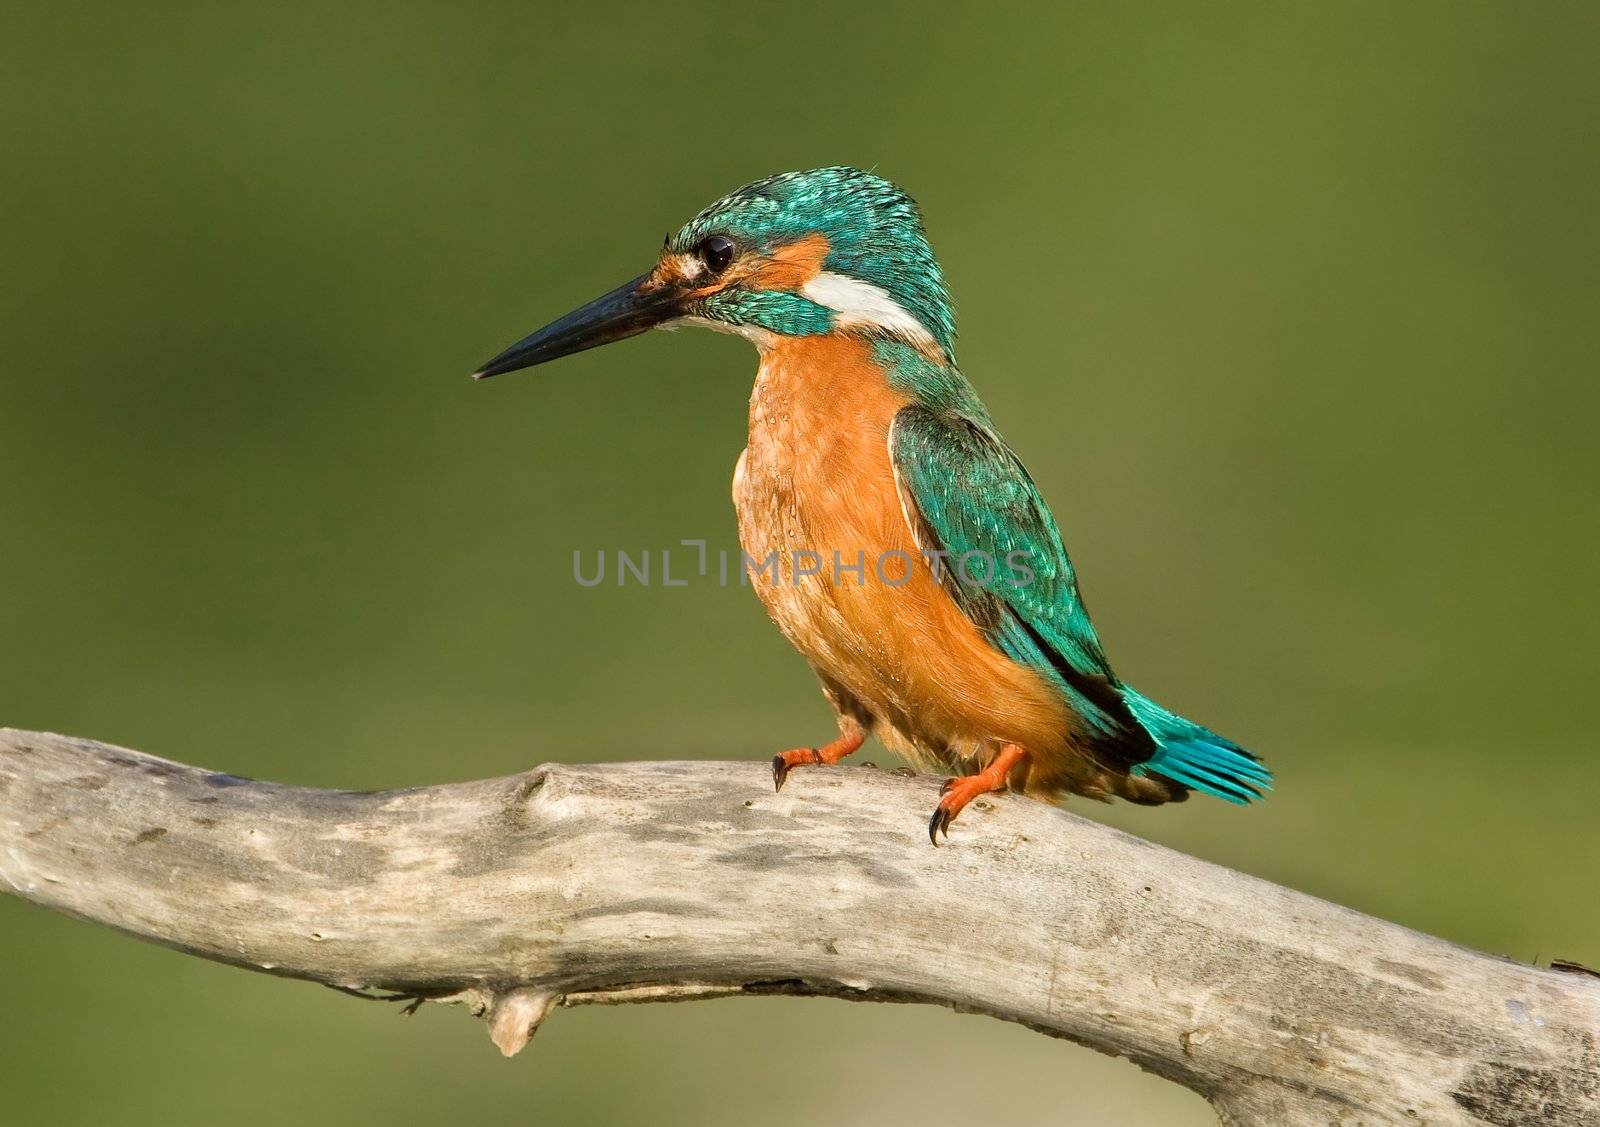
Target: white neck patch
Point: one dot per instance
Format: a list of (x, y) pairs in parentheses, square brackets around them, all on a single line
[(861, 303)]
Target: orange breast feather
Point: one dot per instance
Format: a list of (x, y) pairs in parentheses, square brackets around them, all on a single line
[(817, 478)]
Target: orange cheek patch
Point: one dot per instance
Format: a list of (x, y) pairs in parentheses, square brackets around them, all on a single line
[(789, 268), (792, 265)]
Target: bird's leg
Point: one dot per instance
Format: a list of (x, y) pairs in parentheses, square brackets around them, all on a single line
[(963, 789), (849, 741)]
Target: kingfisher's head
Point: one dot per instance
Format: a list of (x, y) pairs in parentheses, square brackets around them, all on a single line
[(798, 254)]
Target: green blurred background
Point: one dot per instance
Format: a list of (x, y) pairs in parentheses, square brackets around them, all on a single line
[(1290, 309)]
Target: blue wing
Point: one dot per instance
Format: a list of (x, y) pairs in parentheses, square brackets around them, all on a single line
[(966, 492)]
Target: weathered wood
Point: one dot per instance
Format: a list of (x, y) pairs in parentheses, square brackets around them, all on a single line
[(665, 881)]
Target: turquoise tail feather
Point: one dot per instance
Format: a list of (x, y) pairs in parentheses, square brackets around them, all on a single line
[(1197, 757)]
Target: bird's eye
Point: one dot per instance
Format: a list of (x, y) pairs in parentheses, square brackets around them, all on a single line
[(716, 252)]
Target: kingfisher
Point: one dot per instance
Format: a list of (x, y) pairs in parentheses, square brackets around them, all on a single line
[(893, 536)]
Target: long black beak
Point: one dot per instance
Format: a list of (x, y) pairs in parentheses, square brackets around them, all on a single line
[(625, 312)]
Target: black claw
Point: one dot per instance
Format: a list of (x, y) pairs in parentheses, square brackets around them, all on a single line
[(939, 823), (780, 767), (948, 783)]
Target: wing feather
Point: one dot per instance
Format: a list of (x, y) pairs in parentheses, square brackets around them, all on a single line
[(964, 492)]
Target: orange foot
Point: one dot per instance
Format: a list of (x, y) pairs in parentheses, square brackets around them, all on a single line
[(827, 755), (961, 790)]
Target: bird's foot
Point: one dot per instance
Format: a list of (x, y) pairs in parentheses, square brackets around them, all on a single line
[(827, 755), (957, 792)]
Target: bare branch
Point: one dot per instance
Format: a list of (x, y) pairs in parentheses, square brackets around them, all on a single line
[(669, 881)]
